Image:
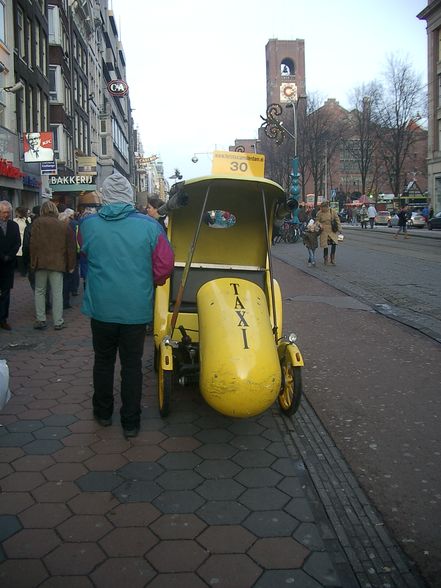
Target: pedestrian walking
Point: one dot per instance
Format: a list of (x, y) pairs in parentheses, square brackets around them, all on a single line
[(331, 227), (364, 217), (9, 245), (152, 210), (310, 240), (89, 203), (127, 254), (53, 252), (372, 213), (22, 219), (70, 279), (403, 217)]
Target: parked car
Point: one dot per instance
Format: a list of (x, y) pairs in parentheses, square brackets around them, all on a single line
[(382, 218), (435, 221), (416, 220)]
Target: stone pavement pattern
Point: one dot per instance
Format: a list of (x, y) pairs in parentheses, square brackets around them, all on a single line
[(197, 499)]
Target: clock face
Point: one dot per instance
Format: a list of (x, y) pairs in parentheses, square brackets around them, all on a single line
[(288, 92)]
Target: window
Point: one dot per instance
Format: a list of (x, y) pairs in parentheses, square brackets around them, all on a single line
[(53, 96), (21, 45), (2, 22), (67, 99), (38, 107), (52, 17), (103, 146), (37, 45), (31, 109), (55, 129), (29, 42), (43, 52)]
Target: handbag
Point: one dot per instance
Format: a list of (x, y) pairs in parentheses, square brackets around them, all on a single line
[(334, 224)]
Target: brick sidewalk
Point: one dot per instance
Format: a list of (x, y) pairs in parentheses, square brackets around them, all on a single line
[(197, 499)]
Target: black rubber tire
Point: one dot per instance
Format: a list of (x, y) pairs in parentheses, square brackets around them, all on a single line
[(165, 389), (291, 389)]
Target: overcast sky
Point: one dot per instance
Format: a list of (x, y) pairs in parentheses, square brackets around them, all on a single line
[(196, 68)]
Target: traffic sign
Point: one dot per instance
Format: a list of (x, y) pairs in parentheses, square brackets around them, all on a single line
[(238, 163)]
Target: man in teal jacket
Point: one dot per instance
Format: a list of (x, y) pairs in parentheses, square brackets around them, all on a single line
[(127, 254)]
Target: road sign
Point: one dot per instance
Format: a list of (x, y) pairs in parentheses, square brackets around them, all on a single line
[(238, 164)]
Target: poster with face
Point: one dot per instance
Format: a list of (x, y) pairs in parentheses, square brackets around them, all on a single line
[(38, 147)]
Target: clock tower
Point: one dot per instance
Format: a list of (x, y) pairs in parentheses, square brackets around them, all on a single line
[(285, 71)]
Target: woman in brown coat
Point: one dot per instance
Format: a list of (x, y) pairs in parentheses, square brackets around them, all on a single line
[(328, 237)]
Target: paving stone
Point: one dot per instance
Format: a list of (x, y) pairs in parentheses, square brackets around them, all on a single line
[(52, 433), (213, 420), (220, 489), (117, 445), (99, 481), (300, 509), (9, 454), (93, 503), (179, 480), (42, 447), (278, 449), (181, 555), (133, 572), (65, 582), (22, 573), (217, 469), (59, 420), (308, 534), (31, 543), (102, 463), (254, 458), (5, 470), (273, 578), (45, 515), (222, 513), (14, 502), (180, 461), (73, 454), (180, 430), (292, 486), (184, 580), (214, 436), (33, 463), (137, 491), (178, 501), (34, 414), (70, 559), (258, 477), (65, 471), (285, 466), (15, 439), (230, 571), (320, 567), (246, 427), (144, 453), (226, 539), (140, 470), (249, 442), (180, 444), (9, 524), (22, 481), (128, 542), (271, 523), (278, 553), (25, 426), (178, 526), (84, 528), (133, 514), (264, 499), (60, 491), (216, 451)]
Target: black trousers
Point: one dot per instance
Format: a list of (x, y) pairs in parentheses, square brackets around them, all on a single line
[(128, 340), (5, 297)]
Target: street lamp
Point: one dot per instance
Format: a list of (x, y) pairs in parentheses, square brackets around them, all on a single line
[(295, 175)]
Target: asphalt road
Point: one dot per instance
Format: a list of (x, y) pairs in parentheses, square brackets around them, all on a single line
[(375, 382)]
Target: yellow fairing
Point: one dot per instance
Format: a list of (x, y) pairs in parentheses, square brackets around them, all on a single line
[(240, 370)]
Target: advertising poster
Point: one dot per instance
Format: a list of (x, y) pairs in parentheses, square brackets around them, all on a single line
[(38, 147)]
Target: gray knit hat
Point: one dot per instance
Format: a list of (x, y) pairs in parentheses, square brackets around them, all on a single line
[(116, 189)]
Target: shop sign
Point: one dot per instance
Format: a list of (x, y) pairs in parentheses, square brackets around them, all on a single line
[(118, 87), (48, 168), (31, 182), (9, 171), (70, 180), (86, 166)]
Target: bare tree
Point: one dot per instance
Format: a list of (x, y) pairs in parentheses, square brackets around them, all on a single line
[(398, 106), (362, 143)]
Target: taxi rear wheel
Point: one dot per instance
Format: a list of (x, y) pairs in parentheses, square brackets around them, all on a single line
[(291, 388)]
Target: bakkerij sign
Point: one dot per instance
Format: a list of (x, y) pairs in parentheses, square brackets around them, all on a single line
[(70, 180)]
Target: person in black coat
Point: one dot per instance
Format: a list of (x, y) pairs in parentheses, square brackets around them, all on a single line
[(10, 242)]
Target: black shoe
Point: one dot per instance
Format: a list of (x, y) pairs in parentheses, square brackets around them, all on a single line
[(131, 433), (5, 325), (103, 422)]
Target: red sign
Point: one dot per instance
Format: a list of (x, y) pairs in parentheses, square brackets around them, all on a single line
[(8, 170), (117, 87)]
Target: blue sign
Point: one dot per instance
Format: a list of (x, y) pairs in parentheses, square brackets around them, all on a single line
[(48, 168)]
